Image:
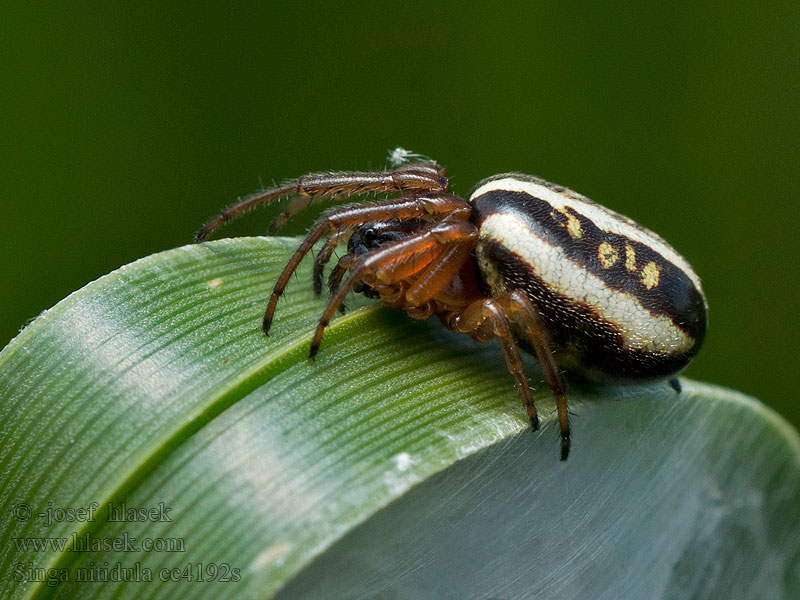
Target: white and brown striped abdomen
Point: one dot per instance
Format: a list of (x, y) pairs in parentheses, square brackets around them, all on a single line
[(619, 302)]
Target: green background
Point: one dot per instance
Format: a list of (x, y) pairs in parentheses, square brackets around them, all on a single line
[(124, 128)]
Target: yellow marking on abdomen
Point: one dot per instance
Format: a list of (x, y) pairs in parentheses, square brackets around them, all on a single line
[(650, 275), (607, 255), (630, 258), (573, 225)]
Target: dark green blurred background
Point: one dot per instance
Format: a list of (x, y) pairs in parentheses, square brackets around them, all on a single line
[(124, 128)]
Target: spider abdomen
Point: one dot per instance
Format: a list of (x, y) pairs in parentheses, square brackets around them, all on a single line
[(619, 302)]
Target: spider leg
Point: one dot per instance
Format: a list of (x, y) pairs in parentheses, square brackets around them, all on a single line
[(347, 262), (380, 261), (524, 313), (441, 270), (325, 255), (348, 216), (473, 319), (405, 266), (422, 177)]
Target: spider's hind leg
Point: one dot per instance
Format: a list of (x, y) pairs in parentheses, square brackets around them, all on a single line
[(488, 311), (525, 314)]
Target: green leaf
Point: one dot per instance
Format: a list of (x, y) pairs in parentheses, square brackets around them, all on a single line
[(396, 465)]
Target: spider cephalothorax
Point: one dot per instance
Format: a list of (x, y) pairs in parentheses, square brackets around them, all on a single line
[(530, 263)]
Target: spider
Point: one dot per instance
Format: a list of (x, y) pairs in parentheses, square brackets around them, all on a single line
[(530, 263)]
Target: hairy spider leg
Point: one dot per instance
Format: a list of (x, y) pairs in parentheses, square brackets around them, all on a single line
[(357, 214), (441, 271), (423, 177), (325, 253), (526, 316), (488, 309), (346, 262), (447, 232), (405, 266)]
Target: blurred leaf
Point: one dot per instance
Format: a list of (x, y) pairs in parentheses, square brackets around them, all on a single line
[(154, 387)]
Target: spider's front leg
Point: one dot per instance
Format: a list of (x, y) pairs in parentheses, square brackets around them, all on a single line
[(414, 177)]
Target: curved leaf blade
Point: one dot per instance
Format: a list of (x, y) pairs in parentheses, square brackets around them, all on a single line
[(154, 385)]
